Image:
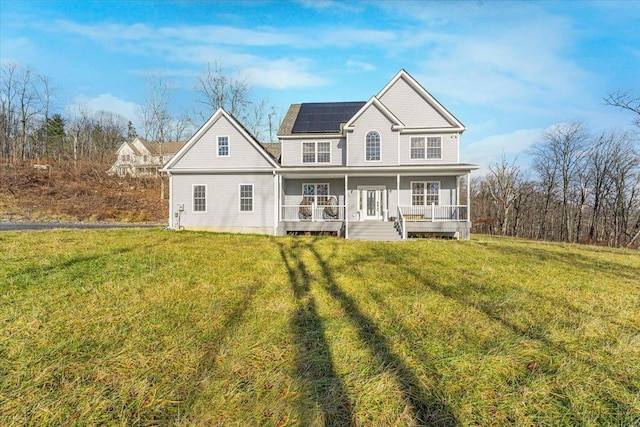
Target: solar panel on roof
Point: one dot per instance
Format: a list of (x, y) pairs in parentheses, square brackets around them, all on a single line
[(324, 117)]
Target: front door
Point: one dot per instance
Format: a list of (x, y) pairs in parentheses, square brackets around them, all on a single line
[(372, 202)]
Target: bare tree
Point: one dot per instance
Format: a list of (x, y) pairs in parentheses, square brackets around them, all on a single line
[(154, 112), (627, 100), (216, 90), (563, 147), (502, 183)]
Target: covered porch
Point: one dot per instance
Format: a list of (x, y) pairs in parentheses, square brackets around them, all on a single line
[(412, 202)]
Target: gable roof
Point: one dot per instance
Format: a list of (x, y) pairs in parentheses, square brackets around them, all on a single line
[(274, 149), (220, 112), (402, 74), (164, 148), (381, 107), (130, 146)]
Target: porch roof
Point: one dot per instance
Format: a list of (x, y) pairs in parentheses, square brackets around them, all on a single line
[(458, 169)]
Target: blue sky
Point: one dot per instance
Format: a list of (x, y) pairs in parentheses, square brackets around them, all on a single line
[(507, 70)]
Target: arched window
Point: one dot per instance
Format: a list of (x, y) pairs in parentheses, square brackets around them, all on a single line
[(372, 146)]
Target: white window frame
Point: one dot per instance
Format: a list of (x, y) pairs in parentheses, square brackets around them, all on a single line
[(193, 198), (426, 194), (241, 198), (218, 146), (426, 147), (315, 190), (379, 159), (316, 152)]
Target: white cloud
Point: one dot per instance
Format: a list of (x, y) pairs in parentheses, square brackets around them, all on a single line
[(107, 102), (360, 66), (489, 150), (283, 74)]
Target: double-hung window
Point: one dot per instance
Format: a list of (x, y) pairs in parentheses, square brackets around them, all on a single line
[(426, 148), (316, 152), (417, 147), (316, 193), (199, 198), (425, 193), (372, 146), (223, 146), (434, 147), (246, 197)]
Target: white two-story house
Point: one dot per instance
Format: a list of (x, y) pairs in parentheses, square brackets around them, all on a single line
[(141, 158), (384, 169)]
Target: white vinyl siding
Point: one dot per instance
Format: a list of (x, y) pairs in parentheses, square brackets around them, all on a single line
[(223, 146), (372, 119), (411, 108), (223, 196), (316, 152), (203, 154), (246, 197), (330, 152), (438, 148), (372, 146), (199, 198)]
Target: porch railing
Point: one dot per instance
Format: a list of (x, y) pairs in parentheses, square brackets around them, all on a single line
[(434, 213), (313, 212), (401, 224)]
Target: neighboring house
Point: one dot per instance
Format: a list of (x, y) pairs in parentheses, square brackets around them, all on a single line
[(384, 169), (141, 158)]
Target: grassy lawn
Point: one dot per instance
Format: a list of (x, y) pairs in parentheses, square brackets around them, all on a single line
[(152, 327)]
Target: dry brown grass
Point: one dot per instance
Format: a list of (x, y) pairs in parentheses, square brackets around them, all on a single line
[(82, 191)]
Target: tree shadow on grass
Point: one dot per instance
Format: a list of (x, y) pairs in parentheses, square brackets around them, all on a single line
[(212, 343), (426, 408), (463, 293), (313, 359), (37, 274)]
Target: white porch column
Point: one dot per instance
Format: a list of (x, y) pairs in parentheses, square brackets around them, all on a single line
[(385, 205), (346, 206), (276, 202), (172, 220), (468, 197), (398, 190)]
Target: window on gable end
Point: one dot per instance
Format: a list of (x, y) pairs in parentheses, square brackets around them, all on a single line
[(223, 146), (372, 146)]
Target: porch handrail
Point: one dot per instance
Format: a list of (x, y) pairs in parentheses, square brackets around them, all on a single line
[(434, 213), (402, 224), (318, 213)]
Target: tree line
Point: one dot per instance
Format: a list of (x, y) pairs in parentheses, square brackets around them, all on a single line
[(34, 127), (581, 187)]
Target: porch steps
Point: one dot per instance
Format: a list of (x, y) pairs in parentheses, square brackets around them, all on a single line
[(373, 230)]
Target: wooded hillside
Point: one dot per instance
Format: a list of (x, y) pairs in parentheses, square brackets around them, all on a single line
[(77, 191)]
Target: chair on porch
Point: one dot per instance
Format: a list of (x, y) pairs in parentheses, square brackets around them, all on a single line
[(304, 211), (331, 210)]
